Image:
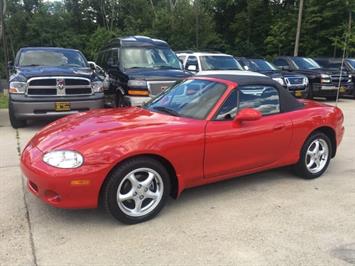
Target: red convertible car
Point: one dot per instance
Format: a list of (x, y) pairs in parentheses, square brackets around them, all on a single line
[(202, 130)]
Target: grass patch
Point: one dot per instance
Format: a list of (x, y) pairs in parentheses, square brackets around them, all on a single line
[(3, 101)]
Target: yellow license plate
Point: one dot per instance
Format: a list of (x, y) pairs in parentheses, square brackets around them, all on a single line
[(62, 106), (298, 93), (342, 89)]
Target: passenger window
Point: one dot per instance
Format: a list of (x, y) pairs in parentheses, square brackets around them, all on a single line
[(262, 98), (192, 61), (229, 107), (281, 62)]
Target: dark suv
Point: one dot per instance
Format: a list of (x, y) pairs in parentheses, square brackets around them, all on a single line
[(51, 82), (335, 64), (139, 68), (323, 82), (297, 84)]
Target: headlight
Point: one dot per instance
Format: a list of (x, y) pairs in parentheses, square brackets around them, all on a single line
[(137, 83), (63, 159), (350, 78), (17, 87), (97, 86), (280, 80), (325, 78), (305, 81)]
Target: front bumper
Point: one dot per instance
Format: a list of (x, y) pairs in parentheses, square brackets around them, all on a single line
[(298, 91), (25, 107), (136, 101), (329, 90), (62, 188)]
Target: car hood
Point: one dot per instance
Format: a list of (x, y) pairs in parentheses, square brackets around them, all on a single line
[(157, 74), (29, 72), (76, 131), (319, 71)]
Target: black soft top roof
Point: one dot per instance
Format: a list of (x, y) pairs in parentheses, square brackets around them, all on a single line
[(287, 101), (136, 41)]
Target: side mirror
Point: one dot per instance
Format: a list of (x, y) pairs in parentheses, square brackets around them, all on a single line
[(192, 68), (92, 65), (10, 65), (247, 114)]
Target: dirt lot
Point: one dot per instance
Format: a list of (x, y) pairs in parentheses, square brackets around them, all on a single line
[(272, 218)]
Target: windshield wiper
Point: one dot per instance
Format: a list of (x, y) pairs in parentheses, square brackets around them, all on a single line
[(166, 110), (166, 67), (31, 65)]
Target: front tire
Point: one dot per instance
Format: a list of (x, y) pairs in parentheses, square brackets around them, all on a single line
[(15, 123), (315, 156), (137, 190)]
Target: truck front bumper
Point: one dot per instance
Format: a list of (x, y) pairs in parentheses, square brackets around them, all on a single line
[(25, 107), (330, 90), (136, 100)]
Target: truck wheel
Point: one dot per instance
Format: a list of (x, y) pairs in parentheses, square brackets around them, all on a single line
[(15, 123)]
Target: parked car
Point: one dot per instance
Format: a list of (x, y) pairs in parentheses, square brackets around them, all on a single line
[(202, 130), (51, 82), (335, 64), (323, 83), (139, 68), (297, 84), (198, 62)]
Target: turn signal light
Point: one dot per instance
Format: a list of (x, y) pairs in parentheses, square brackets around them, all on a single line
[(138, 92), (80, 182)]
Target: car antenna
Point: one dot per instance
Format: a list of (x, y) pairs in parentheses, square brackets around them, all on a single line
[(341, 69)]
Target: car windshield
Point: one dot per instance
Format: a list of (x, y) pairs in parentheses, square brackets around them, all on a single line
[(190, 98), (262, 65), (329, 64), (305, 63), (352, 63), (215, 62), (151, 57), (52, 58)]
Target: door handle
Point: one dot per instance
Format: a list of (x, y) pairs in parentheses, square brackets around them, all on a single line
[(279, 127)]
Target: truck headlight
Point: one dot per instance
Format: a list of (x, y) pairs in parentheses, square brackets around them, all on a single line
[(325, 78), (137, 83), (305, 81), (350, 78), (97, 86), (280, 80), (17, 87), (63, 159)]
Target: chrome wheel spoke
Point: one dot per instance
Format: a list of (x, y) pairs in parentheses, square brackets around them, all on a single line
[(311, 163), (132, 178), (317, 155), (152, 195), (137, 205), (148, 181), (316, 148), (123, 197)]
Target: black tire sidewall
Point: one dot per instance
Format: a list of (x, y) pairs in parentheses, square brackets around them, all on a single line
[(15, 123), (116, 177), (301, 167)]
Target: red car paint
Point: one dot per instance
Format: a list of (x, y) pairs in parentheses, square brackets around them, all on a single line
[(200, 151)]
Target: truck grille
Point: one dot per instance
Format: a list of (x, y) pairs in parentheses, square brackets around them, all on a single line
[(335, 78), (157, 87), (58, 86), (294, 80)]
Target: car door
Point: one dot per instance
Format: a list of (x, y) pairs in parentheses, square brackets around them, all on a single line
[(231, 148)]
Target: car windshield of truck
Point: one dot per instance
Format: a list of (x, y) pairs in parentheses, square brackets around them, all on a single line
[(352, 63), (305, 63), (215, 62), (30, 58), (190, 98), (262, 65), (151, 57)]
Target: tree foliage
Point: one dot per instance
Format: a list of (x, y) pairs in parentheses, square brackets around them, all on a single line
[(240, 27)]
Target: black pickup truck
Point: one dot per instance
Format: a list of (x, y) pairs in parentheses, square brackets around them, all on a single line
[(323, 82), (335, 64), (297, 84), (138, 69), (51, 82)]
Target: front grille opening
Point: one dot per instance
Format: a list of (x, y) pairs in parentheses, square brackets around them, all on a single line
[(43, 82), (78, 91), (76, 82), (45, 111), (42, 92), (33, 186)]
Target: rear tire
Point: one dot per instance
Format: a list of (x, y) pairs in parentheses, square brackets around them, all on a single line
[(136, 190), (15, 123), (315, 156)]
